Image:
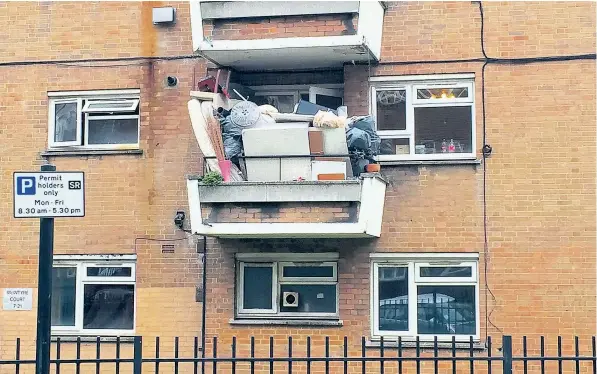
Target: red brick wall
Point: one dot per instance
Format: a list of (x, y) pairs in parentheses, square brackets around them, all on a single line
[(280, 27), (280, 212), (540, 179), (128, 196)]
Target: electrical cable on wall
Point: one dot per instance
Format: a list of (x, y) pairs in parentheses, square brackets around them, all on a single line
[(486, 153)]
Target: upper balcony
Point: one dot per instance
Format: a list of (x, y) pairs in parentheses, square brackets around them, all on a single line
[(259, 35)]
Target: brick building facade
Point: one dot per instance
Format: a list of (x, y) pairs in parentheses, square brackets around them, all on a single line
[(532, 266)]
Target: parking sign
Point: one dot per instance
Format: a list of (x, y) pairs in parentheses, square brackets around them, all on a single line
[(49, 194)]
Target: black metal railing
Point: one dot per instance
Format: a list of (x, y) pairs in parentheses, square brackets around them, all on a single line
[(313, 355)]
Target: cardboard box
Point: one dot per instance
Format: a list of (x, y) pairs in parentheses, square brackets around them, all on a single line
[(316, 142)]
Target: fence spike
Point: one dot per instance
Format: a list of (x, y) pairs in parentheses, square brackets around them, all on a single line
[(381, 354), (345, 353), (157, 354), (176, 354), (435, 355), (290, 355), (97, 354), (524, 354), (507, 353), (308, 355), (252, 354), (138, 355), (489, 362), (560, 355), (215, 354)]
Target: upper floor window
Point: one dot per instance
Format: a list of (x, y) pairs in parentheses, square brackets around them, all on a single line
[(93, 295), (286, 97), (94, 119), (427, 295), (424, 117)]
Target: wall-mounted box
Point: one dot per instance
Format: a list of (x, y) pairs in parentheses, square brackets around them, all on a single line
[(163, 15)]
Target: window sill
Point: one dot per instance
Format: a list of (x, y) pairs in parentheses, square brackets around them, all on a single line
[(89, 152), (90, 339), (410, 343), (430, 162), (286, 322)]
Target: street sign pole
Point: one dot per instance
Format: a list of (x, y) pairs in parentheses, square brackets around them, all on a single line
[(44, 287)]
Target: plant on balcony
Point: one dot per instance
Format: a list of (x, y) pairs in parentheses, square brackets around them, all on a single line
[(212, 178)]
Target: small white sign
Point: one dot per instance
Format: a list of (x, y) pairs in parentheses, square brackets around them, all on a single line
[(17, 299), (49, 194)]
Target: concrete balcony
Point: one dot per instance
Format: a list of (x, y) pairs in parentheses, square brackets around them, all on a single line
[(259, 35), (308, 209)]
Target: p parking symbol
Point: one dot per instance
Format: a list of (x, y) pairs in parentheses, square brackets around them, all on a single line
[(25, 185)]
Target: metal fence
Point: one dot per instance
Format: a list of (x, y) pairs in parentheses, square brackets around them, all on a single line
[(316, 355)]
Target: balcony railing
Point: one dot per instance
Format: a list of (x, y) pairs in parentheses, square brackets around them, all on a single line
[(281, 209)]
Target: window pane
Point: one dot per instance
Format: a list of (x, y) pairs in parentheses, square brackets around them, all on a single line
[(446, 310), (391, 110), (109, 272), (284, 103), (64, 283), (393, 298), (257, 287), (308, 271), (394, 146), (125, 104), (108, 306), (313, 298), (65, 122), (113, 131), (331, 102), (442, 93), (305, 96), (446, 271), (444, 129)]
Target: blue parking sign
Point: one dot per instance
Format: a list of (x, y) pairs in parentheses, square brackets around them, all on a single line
[(25, 185)]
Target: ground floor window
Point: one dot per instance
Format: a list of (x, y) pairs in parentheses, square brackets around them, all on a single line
[(93, 295), (287, 285), (425, 296)]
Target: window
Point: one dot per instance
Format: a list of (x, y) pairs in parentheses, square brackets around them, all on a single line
[(425, 296), (91, 295), (96, 120), (293, 287), (285, 98), (424, 117)]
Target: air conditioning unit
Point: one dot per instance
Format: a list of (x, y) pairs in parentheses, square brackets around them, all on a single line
[(290, 299)]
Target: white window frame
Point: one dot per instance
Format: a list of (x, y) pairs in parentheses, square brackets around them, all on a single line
[(307, 280), (108, 109), (278, 263), (332, 89), (110, 146), (81, 264), (241, 308), (414, 263), (83, 114), (52, 123), (410, 84), (314, 91), (450, 84), (419, 279)]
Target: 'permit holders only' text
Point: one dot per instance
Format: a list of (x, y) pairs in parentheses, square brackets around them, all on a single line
[(49, 194)]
